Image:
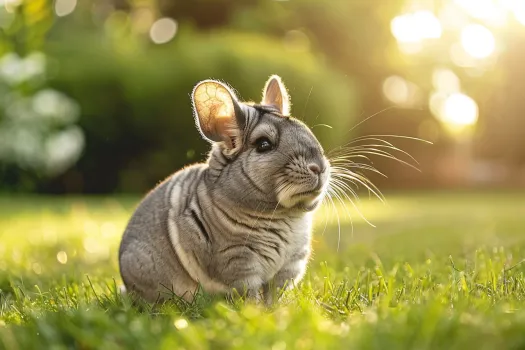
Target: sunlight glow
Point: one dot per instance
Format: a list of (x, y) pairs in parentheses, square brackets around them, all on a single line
[(401, 27), (480, 9), (478, 41), (451, 17), (415, 27), (456, 109), (490, 11), (517, 7), (460, 109)]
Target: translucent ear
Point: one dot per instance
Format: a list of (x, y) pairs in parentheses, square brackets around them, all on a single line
[(217, 113), (275, 94)]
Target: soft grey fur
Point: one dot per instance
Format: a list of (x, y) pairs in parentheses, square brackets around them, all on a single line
[(241, 220)]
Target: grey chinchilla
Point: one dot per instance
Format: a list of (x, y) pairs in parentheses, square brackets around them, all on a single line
[(243, 219)]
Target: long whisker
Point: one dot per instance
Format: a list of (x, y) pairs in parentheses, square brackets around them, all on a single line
[(359, 138), (378, 152), (307, 100), (352, 176), (341, 186), (340, 183), (323, 201), (338, 222), (370, 117), (351, 164), (325, 125), (345, 167), (386, 144)]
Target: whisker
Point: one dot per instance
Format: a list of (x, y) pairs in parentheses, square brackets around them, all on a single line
[(338, 223), (379, 152), (335, 158), (363, 181), (341, 183), (307, 100), (352, 164), (347, 162), (370, 117), (325, 125), (359, 138), (387, 145), (337, 188), (340, 200), (323, 201)]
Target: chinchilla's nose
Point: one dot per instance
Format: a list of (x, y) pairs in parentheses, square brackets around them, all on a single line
[(314, 168), (318, 172)]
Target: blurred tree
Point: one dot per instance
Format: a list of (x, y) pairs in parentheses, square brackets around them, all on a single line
[(502, 130), (342, 30), (136, 110), (132, 88), (204, 14)]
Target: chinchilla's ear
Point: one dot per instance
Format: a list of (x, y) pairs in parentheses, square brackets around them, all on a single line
[(217, 113), (275, 94)]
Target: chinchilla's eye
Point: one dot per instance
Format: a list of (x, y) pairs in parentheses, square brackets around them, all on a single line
[(263, 145)]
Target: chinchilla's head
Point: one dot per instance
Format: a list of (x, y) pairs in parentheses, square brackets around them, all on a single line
[(261, 157)]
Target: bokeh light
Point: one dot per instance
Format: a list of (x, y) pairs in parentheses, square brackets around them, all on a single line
[(460, 57), (62, 257), (400, 91), (456, 110), (10, 5), (478, 41), (460, 109), (296, 41), (415, 27), (445, 80), (65, 7), (163, 30), (142, 20)]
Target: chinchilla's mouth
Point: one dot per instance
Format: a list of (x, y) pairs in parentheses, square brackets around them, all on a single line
[(308, 200), (312, 193), (306, 207)]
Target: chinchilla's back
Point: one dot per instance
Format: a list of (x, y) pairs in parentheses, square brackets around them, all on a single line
[(243, 219)]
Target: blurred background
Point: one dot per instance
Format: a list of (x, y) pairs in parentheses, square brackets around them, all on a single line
[(95, 94)]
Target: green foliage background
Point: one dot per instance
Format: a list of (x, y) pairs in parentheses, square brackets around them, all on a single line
[(133, 95), (136, 106)]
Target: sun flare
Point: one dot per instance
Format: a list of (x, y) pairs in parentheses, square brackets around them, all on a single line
[(478, 41)]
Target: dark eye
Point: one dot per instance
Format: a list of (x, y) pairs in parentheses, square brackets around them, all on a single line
[(263, 145)]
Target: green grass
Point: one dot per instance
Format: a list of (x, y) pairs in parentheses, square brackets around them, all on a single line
[(438, 271)]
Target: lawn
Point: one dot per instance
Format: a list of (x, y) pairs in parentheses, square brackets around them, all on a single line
[(439, 270)]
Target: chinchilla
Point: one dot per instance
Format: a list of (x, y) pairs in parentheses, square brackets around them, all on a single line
[(243, 219)]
